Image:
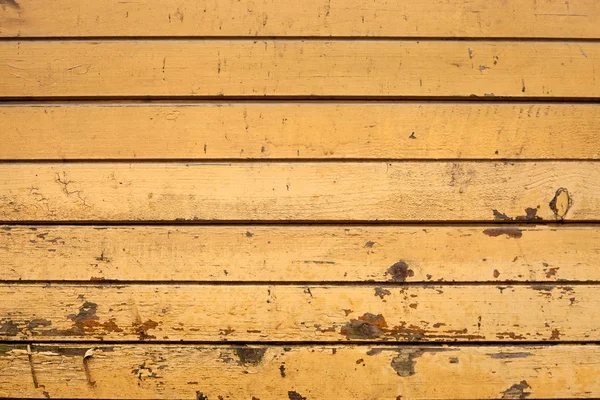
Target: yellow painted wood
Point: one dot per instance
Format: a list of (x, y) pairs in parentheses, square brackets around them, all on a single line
[(296, 372), (353, 191), (300, 253), (299, 313), (299, 68), (300, 131), (454, 18)]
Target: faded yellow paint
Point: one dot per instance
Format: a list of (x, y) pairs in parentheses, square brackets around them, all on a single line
[(407, 18), (520, 168), (432, 130), (299, 68), (300, 313), (353, 191), (300, 253), (296, 372)]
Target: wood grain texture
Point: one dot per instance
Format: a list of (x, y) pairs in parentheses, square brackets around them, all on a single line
[(297, 68), (301, 131), (453, 18), (300, 253), (299, 313), (297, 372), (432, 191)]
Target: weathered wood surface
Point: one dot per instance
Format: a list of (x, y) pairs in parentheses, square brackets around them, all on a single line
[(353, 191), (299, 68), (300, 372), (300, 313), (300, 253), (300, 131), (404, 18)]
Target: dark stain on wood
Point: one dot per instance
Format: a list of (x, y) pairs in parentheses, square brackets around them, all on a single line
[(381, 292), (514, 233), (530, 215), (36, 323), (10, 3), (201, 396), (517, 391), (406, 360), (404, 364), (367, 326), (142, 328), (498, 216), (399, 272), (292, 395), (512, 335), (9, 328), (550, 272), (505, 355), (250, 355)]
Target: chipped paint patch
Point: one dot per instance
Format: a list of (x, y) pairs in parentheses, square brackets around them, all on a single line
[(250, 355), (517, 391), (399, 272), (514, 233), (367, 326)]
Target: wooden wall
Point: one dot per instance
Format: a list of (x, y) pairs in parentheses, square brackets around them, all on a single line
[(299, 200)]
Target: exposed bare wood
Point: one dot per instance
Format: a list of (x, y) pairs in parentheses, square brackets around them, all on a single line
[(300, 253), (300, 313), (297, 372), (454, 18), (300, 131), (439, 191), (297, 68)]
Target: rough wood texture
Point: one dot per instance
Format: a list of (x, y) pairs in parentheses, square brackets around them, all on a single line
[(300, 372), (297, 68), (454, 18), (433, 191), (300, 253), (299, 313), (301, 131)]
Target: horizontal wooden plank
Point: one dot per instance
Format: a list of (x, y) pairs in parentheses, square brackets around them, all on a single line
[(300, 131), (300, 253), (299, 68), (299, 372), (454, 18), (299, 313), (352, 191)]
